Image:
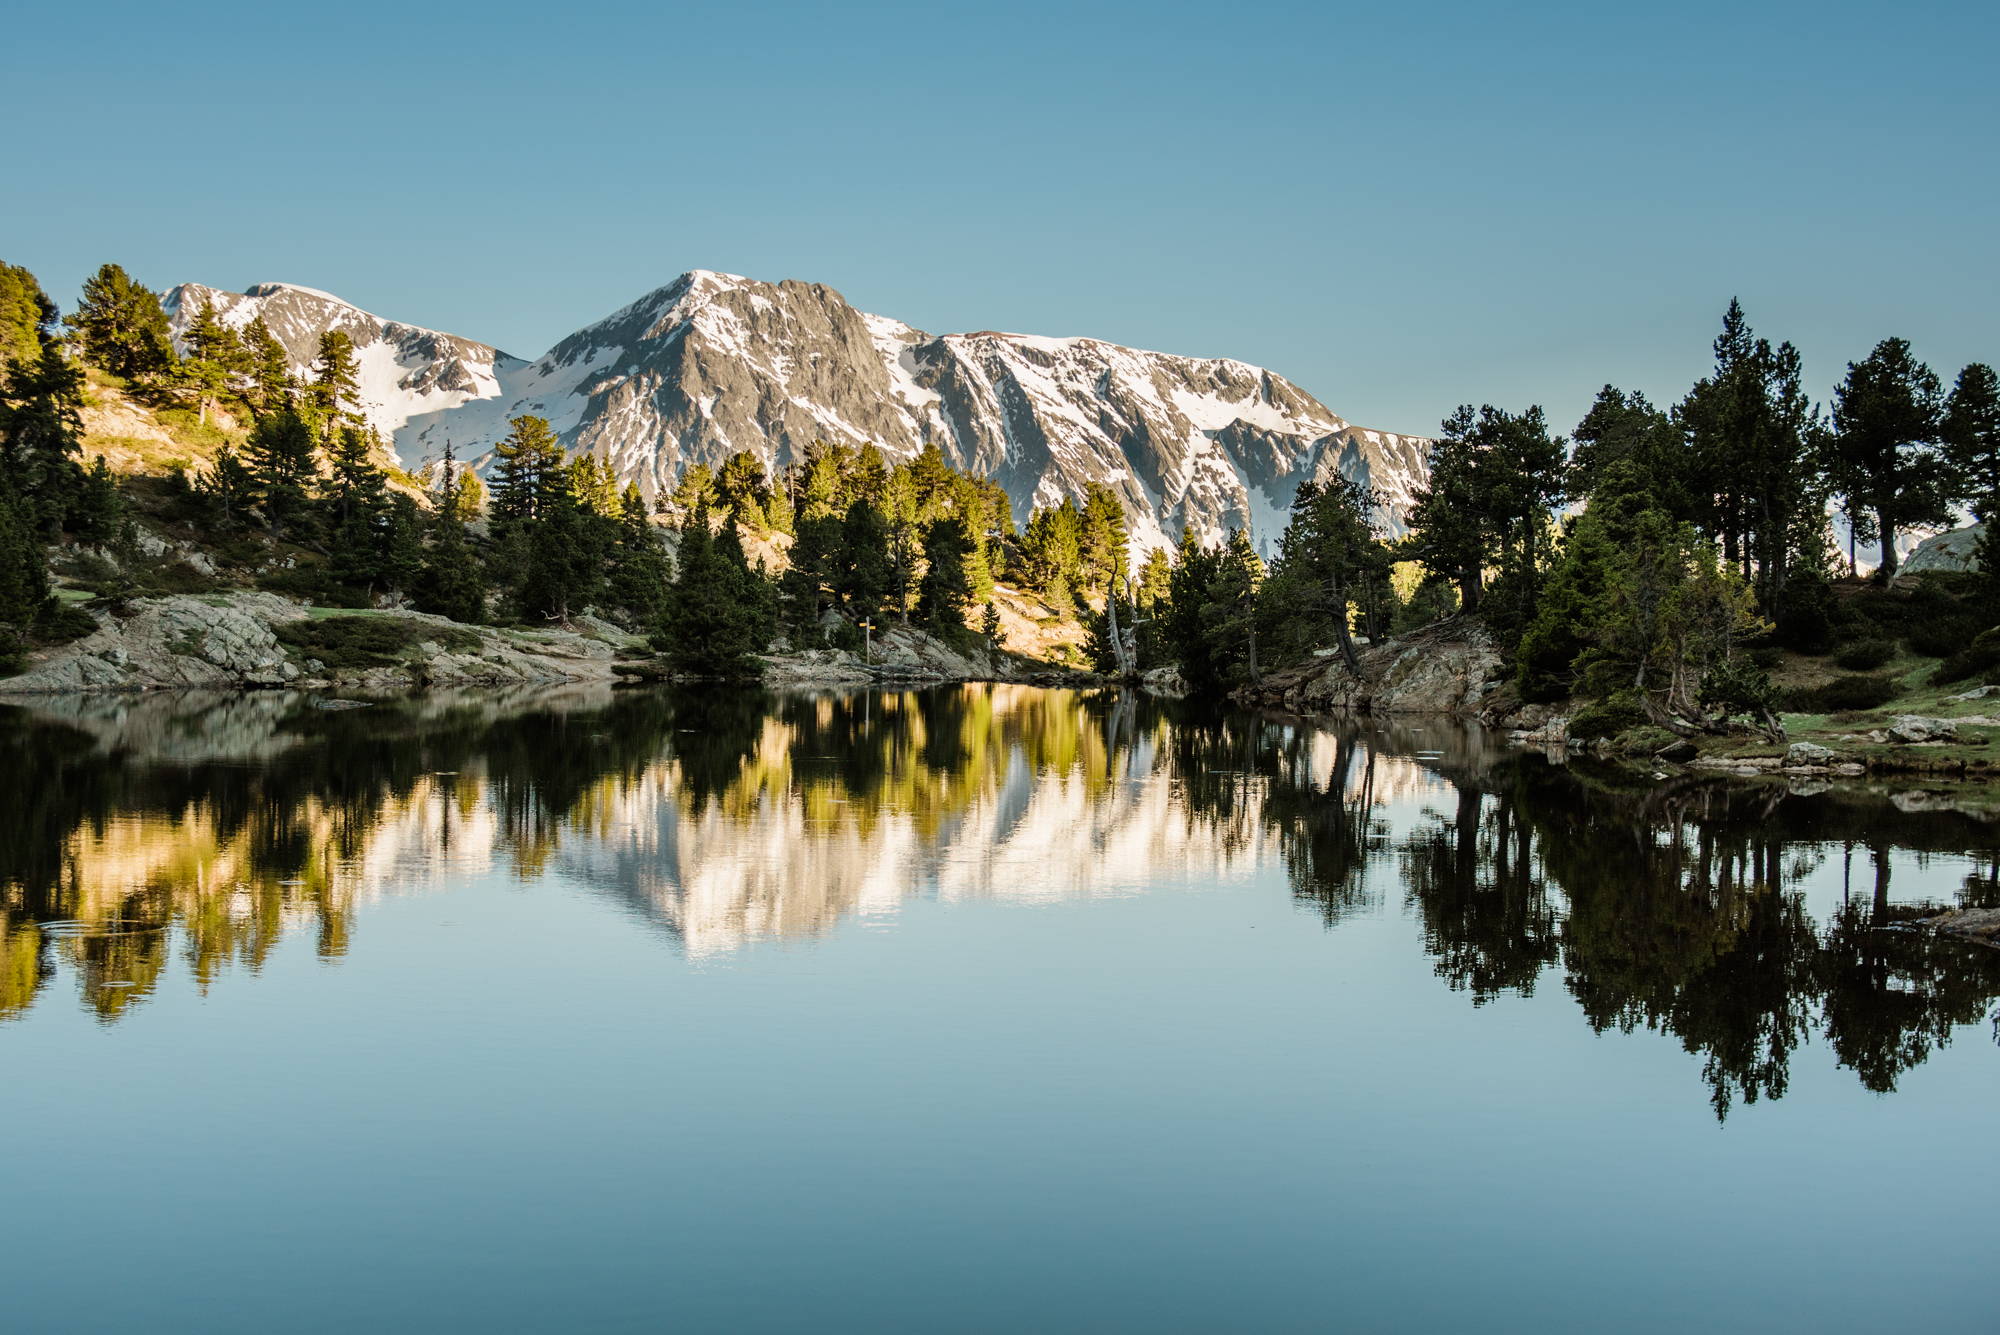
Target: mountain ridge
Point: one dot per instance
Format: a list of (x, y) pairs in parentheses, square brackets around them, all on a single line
[(712, 363)]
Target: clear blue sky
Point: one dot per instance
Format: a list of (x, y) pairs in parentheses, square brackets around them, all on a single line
[(1399, 210)]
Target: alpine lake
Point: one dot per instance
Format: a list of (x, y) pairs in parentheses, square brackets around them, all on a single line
[(972, 1008)]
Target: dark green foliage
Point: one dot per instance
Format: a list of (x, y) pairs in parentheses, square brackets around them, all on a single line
[(1210, 617), (1627, 429), (863, 573), (334, 395), (1495, 477), (1754, 467), (714, 621), (448, 582), (41, 434), (280, 462), (368, 641), (1805, 614), (1978, 659), (946, 588), (1605, 718), (1944, 636), (1331, 569), (1737, 686), (1971, 431), (1866, 655), (640, 567), (24, 573), (98, 511), (1840, 695), (1101, 538), (1888, 423), (267, 370), (123, 327)]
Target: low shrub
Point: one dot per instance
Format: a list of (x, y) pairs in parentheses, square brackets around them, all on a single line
[(1842, 693), (1943, 636), (1604, 718), (1980, 656), (1866, 656), (366, 642)]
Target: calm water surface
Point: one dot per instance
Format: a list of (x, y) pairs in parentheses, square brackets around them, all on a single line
[(985, 1009)]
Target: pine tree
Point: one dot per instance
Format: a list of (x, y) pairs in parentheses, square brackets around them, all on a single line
[(989, 628), (268, 368), (1101, 539), (1451, 530), (355, 506), (1888, 416), (448, 582), (335, 392), (279, 457), (640, 568), (1756, 469), (1330, 564), (99, 509), (41, 435), (27, 315), (123, 326), (1972, 438), (708, 627), (214, 362), (865, 576), (24, 575), (228, 490), (742, 491), (1229, 616), (945, 590), (402, 559)]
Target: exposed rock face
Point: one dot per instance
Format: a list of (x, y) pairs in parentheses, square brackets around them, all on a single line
[(1914, 728), (1805, 755), (1450, 668), (712, 364), (1956, 550), (223, 642), (403, 370)]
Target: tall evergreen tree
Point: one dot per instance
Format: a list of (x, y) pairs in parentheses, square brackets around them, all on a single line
[(41, 434), (279, 457), (640, 568), (335, 391), (709, 626), (1755, 459), (123, 326), (1101, 538), (946, 588), (1330, 563), (448, 583), (1888, 418), (24, 573), (1972, 438), (26, 315), (267, 368)]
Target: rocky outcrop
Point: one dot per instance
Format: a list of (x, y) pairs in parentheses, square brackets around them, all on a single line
[(1451, 668), (1977, 925), (1954, 551), (902, 654), (231, 641)]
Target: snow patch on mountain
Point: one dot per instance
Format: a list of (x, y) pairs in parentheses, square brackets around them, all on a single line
[(713, 363)]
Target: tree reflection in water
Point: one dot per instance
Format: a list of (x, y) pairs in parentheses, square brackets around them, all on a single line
[(212, 826)]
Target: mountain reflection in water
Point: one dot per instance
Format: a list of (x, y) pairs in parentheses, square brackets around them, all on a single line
[(141, 828)]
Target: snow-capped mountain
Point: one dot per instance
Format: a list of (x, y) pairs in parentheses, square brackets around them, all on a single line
[(403, 370), (714, 363)]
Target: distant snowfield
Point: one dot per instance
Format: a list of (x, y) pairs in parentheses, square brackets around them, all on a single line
[(716, 363)]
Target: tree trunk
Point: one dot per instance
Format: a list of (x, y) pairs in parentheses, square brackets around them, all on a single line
[(1468, 591), (1887, 570)]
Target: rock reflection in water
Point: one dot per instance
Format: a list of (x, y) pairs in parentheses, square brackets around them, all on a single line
[(139, 827)]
